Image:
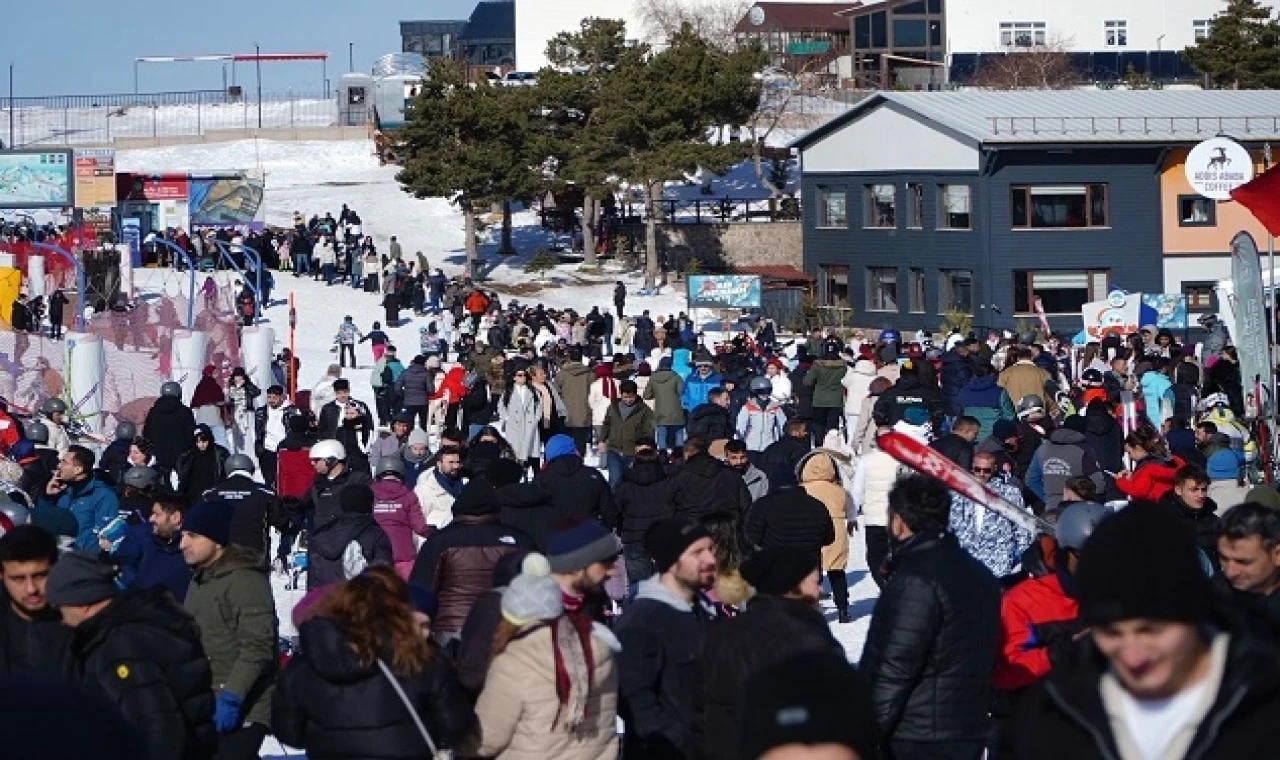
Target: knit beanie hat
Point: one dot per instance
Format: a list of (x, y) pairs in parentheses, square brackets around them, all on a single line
[(1076, 423), (79, 577), (418, 437), (424, 600), (357, 498), (1003, 430), (532, 595), (778, 570), (812, 698), (559, 445), (667, 539), (211, 519), (575, 544), (1142, 562)]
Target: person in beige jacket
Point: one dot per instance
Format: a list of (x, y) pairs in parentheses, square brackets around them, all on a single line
[(525, 712), (1024, 378), (820, 479)]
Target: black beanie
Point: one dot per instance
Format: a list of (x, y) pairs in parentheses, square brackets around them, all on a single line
[(778, 570), (811, 698), (1076, 423), (357, 498), (1143, 562), (667, 539)]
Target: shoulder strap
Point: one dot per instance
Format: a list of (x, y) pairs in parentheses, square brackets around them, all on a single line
[(417, 720)]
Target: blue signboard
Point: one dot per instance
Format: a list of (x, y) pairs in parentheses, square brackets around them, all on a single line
[(724, 291), (131, 231), (1170, 309)]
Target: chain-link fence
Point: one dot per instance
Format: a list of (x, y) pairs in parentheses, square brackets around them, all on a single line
[(94, 120)]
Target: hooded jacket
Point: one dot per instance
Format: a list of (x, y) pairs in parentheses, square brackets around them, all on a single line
[(197, 470), (231, 601), (790, 517), (710, 421), (1157, 396), (91, 502), (171, 428), (908, 393), (665, 389), (1062, 456), (337, 708), (621, 433), (148, 561), (328, 544), (1104, 437), (819, 478), (574, 384), (826, 377), (1151, 479), (1024, 655), (572, 490), (322, 499), (857, 385), (642, 498), (984, 400), (704, 485), (696, 389), (957, 371), (415, 385), (457, 561), (396, 509)]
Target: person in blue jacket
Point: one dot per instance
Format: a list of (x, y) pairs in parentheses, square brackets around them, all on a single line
[(75, 489), (150, 554), (699, 384)]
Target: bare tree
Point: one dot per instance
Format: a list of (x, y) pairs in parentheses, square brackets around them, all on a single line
[(782, 107), (1044, 67), (712, 20)]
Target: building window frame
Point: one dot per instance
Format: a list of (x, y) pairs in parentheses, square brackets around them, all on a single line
[(829, 276), (915, 206), (950, 217), (1200, 28), (880, 206), (1197, 211), (832, 207), (1097, 283), (917, 291), (1095, 213), (1200, 296), (947, 290), (1023, 34), (1115, 33), (884, 301)]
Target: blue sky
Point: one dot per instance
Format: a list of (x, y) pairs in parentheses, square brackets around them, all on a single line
[(76, 47)]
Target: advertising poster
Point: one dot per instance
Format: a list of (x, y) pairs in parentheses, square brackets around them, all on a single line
[(1170, 309), (1119, 315), (35, 179), (131, 231), (724, 291), (226, 200), (1250, 333), (95, 171)]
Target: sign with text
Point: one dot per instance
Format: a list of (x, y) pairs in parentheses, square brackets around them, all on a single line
[(95, 178), (1217, 166), (723, 291), (35, 179), (1118, 315)]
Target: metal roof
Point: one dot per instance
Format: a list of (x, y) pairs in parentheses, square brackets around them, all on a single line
[(1083, 116)]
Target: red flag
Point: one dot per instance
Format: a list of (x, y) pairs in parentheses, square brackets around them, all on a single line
[(1261, 195)]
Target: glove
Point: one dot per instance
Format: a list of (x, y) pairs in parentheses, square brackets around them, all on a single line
[(226, 712)]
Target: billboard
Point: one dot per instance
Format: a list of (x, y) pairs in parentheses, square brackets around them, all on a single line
[(1170, 309), (226, 200), (1250, 333), (1119, 315), (145, 187), (95, 178), (723, 291), (35, 179)]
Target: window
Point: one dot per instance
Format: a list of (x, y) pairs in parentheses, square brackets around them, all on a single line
[(908, 33), (1199, 296), (1022, 33), (882, 207), (1117, 33), (1059, 291), (1197, 211), (915, 291), (834, 281), (1200, 29), (833, 207), (882, 289), (880, 30), (953, 207), (955, 291), (915, 206), (1058, 206)]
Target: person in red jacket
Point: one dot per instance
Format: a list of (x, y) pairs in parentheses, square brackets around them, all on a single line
[(398, 513), (10, 428), (476, 304), (1038, 616), (1154, 468)]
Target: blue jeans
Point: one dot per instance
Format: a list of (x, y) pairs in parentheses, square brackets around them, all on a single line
[(673, 432), (617, 463), (355, 278), (301, 263), (326, 271)]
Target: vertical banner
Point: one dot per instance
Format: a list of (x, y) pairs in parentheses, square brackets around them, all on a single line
[(131, 231), (1251, 333)]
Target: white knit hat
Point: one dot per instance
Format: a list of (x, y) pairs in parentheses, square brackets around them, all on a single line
[(532, 595)]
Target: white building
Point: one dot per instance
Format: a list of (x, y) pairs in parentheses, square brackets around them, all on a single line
[(537, 21)]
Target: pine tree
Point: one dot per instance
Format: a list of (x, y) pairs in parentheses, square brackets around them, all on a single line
[(470, 143), (1242, 50)]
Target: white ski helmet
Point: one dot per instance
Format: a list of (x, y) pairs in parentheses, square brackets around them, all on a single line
[(329, 450), (1214, 400)]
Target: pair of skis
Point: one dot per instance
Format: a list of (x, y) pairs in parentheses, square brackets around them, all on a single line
[(929, 461)]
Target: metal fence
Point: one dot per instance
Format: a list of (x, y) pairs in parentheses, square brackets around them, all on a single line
[(89, 120)]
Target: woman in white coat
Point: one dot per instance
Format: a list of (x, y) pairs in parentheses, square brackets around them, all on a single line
[(520, 411)]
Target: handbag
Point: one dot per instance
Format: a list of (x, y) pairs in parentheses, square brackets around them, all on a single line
[(440, 754)]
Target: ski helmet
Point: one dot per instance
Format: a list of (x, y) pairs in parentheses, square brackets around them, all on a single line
[(1214, 400), (329, 450), (1027, 338), (761, 385), (1091, 378), (38, 432), (126, 431), (171, 389), (52, 406), (141, 478), (390, 466), (18, 514), (1077, 522), (240, 463), (1030, 404)]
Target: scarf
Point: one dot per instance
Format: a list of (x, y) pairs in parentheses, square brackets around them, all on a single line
[(574, 663), (452, 486)]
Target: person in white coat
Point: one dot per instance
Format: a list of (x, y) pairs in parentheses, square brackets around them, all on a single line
[(603, 392), (438, 487), (873, 479), (857, 383), (323, 393), (520, 411), (327, 258), (780, 381), (53, 413)]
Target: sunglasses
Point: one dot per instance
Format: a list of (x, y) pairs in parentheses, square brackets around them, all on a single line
[(983, 470)]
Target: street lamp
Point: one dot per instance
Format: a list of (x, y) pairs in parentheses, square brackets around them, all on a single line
[(257, 62), (351, 56)]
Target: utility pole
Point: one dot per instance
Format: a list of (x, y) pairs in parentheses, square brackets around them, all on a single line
[(257, 62), (351, 56), (10, 145)]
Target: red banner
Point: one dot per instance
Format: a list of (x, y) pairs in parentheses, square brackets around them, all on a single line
[(140, 187)]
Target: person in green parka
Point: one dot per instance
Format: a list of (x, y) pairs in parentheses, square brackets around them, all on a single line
[(825, 376)]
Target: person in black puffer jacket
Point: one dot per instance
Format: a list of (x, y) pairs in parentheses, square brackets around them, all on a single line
[(482, 623), (200, 467), (171, 428), (1104, 437), (789, 517), (642, 498), (326, 550), (576, 491), (910, 392), (335, 701), (710, 421), (704, 485), (1186, 389), (142, 652), (935, 632)]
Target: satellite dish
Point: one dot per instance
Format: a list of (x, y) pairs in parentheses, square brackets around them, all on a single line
[(756, 15)]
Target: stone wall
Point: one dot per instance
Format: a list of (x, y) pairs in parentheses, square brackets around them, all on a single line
[(739, 244)]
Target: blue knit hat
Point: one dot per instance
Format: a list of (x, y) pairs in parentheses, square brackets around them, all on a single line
[(576, 544), (211, 519), (559, 445), (424, 600)]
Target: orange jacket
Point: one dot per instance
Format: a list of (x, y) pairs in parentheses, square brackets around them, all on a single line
[(477, 302)]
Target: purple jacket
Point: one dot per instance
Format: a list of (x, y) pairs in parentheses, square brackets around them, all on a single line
[(400, 516)]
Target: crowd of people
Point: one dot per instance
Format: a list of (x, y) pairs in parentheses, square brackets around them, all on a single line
[(545, 521)]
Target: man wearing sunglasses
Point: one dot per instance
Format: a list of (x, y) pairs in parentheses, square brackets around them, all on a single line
[(993, 540)]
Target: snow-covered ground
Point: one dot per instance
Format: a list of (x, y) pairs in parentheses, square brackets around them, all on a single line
[(311, 177)]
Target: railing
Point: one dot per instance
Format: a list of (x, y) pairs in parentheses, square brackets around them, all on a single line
[(713, 210), (90, 120)]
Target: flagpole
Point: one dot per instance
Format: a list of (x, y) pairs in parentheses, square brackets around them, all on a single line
[(1271, 301)]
